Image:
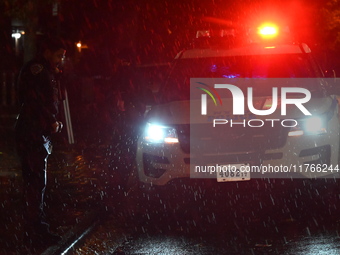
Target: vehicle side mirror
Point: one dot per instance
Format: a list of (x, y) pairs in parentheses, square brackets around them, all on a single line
[(333, 86), (332, 81)]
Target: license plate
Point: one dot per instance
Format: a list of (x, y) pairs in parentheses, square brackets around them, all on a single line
[(233, 172)]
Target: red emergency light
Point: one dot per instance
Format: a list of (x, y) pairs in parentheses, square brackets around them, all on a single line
[(268, 31)]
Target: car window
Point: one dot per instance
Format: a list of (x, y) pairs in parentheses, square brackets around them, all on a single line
[(257, 66)]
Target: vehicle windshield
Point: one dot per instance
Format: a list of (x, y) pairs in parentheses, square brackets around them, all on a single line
[(256, 66)]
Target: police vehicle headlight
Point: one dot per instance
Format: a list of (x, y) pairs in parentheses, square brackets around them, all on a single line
[(314, 125), (160, 134), (310, 126)]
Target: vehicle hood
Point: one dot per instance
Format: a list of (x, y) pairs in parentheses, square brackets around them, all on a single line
[(186, 112)]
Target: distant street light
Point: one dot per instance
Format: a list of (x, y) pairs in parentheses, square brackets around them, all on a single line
[(81, 46), (16, 35)]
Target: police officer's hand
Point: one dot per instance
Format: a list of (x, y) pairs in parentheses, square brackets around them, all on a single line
[(57, 127)]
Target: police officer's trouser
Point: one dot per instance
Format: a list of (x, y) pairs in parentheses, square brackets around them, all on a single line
[(34, 175)]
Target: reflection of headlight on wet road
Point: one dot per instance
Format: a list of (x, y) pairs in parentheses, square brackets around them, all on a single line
[(160, 134)]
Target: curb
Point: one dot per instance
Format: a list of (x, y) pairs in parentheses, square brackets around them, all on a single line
[(74, 238)]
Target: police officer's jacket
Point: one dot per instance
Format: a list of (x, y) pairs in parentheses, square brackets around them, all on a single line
[(37, 92)]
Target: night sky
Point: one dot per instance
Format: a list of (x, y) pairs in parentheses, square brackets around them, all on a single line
[(150, 31)]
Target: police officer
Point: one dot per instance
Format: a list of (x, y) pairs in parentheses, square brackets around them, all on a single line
[(38, 96)]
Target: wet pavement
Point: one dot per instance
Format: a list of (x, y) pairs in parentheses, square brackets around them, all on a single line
[(81, 179), (89, 204), (200, 223)]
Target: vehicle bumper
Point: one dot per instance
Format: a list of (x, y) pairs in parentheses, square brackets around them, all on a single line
[(304, 157)]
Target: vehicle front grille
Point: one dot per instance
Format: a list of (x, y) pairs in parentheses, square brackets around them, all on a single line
[(225, 139)]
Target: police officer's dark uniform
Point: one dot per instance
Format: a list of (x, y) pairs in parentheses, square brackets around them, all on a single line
[(38, 96)]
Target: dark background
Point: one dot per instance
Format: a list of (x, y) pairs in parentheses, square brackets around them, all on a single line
[(152, 31), (127, 45)]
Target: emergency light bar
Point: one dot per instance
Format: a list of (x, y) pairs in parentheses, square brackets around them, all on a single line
[(268, 30), (215, 33), (267, 33)]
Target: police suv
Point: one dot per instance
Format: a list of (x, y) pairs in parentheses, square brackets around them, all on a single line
[(188, 136)]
